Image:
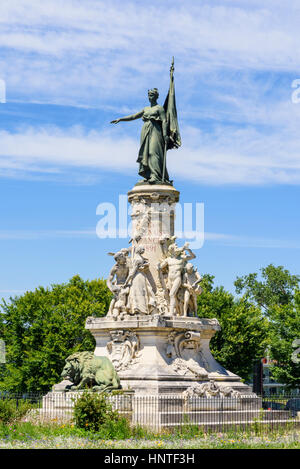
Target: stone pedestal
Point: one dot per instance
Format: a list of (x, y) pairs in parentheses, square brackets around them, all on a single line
[(152, 335), (153, 218), (160, 354), (151, 332)]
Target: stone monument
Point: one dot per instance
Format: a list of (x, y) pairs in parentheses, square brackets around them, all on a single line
[(151, 333)]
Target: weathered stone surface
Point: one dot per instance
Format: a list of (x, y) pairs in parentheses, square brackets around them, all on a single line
[(61, 387), (161, 354), (151, 333), (85, 370)]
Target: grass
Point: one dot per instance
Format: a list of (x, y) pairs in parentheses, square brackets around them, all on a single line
[(30, 435), (22, 429)]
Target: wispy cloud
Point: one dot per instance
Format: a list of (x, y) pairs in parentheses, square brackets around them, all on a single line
[(28, 235), (224, 239), (241, 156), (229, 57), (252, 241), (70, 51), (11, 291)]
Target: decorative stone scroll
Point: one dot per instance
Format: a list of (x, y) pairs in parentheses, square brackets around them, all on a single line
[(210, 390), (182, 348), (123, 349)]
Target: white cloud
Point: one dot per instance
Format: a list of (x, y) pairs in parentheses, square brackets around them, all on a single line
[(239, 156), (201, 26), (224, 239), (12, 291), (90, 52), (29, 235), (107, 54)]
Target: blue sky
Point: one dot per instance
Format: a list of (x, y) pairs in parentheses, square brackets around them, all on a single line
[(70, 67)]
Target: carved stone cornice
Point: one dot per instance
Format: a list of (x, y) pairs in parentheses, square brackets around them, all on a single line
[(153, 194)]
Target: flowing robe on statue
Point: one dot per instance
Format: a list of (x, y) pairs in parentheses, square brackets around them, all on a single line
[(141, 299), (151, 153)]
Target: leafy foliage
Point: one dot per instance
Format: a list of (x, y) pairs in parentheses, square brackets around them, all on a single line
[(284, 329), (277, 294), (41, 328), (12, 410), (277, 287), (244, 330), (92, 410)]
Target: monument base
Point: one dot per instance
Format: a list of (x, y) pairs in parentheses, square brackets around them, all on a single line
[(167, 411), (159, 355)]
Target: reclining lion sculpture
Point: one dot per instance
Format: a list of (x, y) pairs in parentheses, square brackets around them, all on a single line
[(85, 370)]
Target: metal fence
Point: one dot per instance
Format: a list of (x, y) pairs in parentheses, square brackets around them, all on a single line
[(175, 411)]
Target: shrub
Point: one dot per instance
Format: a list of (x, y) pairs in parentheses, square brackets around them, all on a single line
[(92, 411), (12, 410)]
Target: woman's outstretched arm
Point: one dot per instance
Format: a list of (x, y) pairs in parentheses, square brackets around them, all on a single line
[(138, 115)]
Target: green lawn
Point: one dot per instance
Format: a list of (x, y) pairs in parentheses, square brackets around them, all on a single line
[(29, 435)]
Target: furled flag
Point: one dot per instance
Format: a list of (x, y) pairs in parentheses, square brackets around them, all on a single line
[(171, 114)]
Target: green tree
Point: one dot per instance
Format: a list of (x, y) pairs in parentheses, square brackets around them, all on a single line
[(244, 330), (277, 294), (276, 287), (41, 328), (284, 329)]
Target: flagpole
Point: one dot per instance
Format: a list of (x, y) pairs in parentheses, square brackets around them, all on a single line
[(165, 147)]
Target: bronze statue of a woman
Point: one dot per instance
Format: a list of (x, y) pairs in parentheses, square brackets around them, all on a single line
[(160, 133)]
